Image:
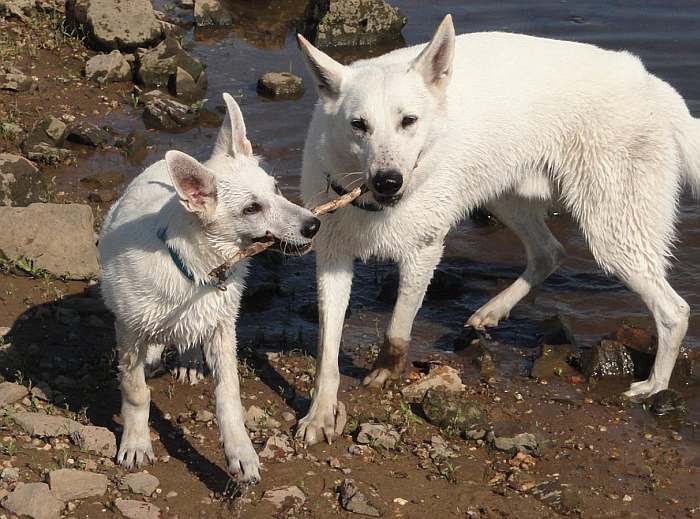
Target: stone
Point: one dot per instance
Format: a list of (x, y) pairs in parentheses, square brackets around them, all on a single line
[(378, 435), (43, 425), (15, 80), (11, 130), (21, 182), (33, 500), (286, 500), (340, 23), (88, 134), (169, 66), (211, 12), (164, 113), (42, 391), (47, 154), (70, 484), (187, 88), (439, 450), (256, 419), (557, 330), (277, 447), (450, 410), (606, 359), (57, 237), (280, 85), (108, 68), (140, 483), (524, 442), (554, 360), (352, 500), (11, 393), (203, 415), (666, 402), (9, 475), (132, 509), (21, 9), (98, 440), (115, 24), (440, 376), (50, 130)]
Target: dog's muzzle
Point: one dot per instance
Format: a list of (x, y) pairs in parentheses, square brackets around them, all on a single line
[(386, 186)]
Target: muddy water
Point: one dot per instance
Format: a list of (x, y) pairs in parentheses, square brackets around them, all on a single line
[(665, 34)]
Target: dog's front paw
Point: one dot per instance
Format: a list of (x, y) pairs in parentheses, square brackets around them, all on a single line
[(190, 376), (243, 463), (135, 448), (190, 366), (322, 422), (643, 389), (488, 316)]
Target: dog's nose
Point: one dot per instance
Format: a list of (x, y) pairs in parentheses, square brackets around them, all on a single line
[(387, 181), (310, 227)]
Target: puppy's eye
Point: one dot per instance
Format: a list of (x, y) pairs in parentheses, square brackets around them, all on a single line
[(408, 120), (359, 125), (252, 208)]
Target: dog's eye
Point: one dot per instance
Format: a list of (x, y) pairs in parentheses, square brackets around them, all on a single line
[(359, 124), (252, 208), (408, 120)]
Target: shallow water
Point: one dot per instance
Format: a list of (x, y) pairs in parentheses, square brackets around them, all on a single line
[(663, 33)]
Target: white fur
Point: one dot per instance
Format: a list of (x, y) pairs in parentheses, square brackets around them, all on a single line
[(522, 122), (206, 212)]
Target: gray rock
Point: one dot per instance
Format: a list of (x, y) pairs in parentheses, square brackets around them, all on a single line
[(277, 447), (47, 154), (88, 134), (108, 68), (355, 22), (9, 475), (439, 450), (21, 183), (37, 424), (11, 393), (164, 113), (57, 237), (69, 484), (440, 376), (287, 500), (137, 509), (448, 410), (378, 435), (56, 130), (666, 402), (50, 130), (203, 415), (523, 442), (33, 500), (169, 65), (140, 483), (15, 80), (11, 130), (352, 500), (42, 391), (280, 85), (211, 12), (115, 24), (256, 419), (606, 359), (98, 440)]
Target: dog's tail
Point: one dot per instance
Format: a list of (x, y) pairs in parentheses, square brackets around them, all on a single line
[(688, 138)]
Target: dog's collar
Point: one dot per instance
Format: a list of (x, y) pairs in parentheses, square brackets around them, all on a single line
[(340, 191), (177, 260)]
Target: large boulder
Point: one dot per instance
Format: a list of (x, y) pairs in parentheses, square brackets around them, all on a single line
[(56, 237), (116, 24), (340, 23), (21, 183)]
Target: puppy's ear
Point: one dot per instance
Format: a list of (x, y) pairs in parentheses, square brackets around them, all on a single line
[(327, 73), (195, 184), (434, 63), (232, 138)]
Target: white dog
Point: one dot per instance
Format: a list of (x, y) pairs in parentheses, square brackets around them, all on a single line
[(177, 221), (508, 120)]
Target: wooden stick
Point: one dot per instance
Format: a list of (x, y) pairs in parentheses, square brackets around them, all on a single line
[(218, 275)]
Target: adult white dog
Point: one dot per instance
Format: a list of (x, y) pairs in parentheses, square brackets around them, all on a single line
[(508, 120), (177, 221)]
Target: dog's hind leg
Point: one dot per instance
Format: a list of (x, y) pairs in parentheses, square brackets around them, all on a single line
[(220, 351), (135, 446), (544, 254), (190, 365), (415, 271)]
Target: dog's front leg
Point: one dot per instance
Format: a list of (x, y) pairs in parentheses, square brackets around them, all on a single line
[(415, 271), (326, 417), (220, 352)]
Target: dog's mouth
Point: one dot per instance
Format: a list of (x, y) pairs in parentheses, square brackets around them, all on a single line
[(285, 247), (387, 200)]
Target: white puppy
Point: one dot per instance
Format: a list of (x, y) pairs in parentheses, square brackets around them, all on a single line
[(508, 120), (175, 222)]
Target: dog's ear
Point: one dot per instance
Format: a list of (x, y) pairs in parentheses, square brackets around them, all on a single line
[(327, 73), (434, 63), (232, 138), (195, 184)]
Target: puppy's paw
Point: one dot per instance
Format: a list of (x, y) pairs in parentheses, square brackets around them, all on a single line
[(190, 376), (322, 423), (190, 366), (487, 316), (134, 450), (243, 463), (642, 390)]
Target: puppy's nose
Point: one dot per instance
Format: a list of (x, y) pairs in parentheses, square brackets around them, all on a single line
[(310, 227), (387, 181)]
